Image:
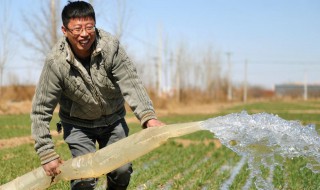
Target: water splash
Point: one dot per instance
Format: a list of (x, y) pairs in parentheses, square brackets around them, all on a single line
[(266, 140), (234, 173)]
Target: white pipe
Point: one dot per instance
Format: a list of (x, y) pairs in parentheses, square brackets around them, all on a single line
[(104, 160)]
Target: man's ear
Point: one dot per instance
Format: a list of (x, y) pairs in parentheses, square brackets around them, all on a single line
[(64, 31)]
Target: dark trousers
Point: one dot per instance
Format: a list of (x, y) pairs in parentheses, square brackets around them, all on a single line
[(83, 140)]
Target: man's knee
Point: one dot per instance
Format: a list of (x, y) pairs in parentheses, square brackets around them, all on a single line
[(120, 178)]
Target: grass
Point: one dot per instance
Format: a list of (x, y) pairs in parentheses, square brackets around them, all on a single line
[(19, 125), (174, 166)]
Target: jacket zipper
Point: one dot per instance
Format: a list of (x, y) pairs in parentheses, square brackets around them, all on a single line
[(92, 85)]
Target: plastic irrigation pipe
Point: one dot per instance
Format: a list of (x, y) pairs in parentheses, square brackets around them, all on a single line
[(104, 160)]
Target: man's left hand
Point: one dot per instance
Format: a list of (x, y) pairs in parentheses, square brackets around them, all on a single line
[(153, 123)]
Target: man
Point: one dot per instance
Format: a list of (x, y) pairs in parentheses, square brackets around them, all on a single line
[(89, 74)]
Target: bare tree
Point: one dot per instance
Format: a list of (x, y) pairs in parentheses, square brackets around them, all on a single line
[(116, 15), (44, 33), (122, 19), (212, 72), (54, 21), (5, 38), (181, 69)]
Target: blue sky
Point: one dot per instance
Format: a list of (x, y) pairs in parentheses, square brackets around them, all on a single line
[(279, 38)]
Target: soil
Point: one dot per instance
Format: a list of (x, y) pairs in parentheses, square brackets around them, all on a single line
[(16, 141), (187, 142), (15, 108)]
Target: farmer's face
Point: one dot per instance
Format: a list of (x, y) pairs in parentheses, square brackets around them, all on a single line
[(81, 34)]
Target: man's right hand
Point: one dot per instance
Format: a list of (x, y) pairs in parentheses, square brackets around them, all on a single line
[(51, 168)]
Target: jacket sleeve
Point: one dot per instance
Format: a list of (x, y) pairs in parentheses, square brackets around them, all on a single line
[(45, 100), (131, 86)]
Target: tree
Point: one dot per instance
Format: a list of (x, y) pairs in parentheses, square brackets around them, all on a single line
[(44, 33), (181, 61), (5, 38), (115, 15), (212, 70), (122, 18)]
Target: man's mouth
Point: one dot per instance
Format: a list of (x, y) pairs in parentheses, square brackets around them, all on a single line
[(84, 42)]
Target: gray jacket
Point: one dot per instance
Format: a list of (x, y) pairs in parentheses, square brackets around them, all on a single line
[(89, 100)]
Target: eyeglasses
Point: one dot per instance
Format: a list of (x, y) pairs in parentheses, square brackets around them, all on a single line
[(78, 31)]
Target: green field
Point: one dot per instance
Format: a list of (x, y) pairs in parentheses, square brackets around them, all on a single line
[(199, 164)]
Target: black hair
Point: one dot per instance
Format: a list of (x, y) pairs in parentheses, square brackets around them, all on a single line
[(77, 9)]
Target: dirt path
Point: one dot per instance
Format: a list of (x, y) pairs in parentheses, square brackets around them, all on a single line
[(195, 108), (187, 142), (17, 141)]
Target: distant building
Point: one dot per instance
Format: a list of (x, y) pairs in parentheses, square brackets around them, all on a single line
[(297, 90)]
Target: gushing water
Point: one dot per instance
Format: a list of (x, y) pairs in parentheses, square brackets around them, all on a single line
[(266, 140)]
